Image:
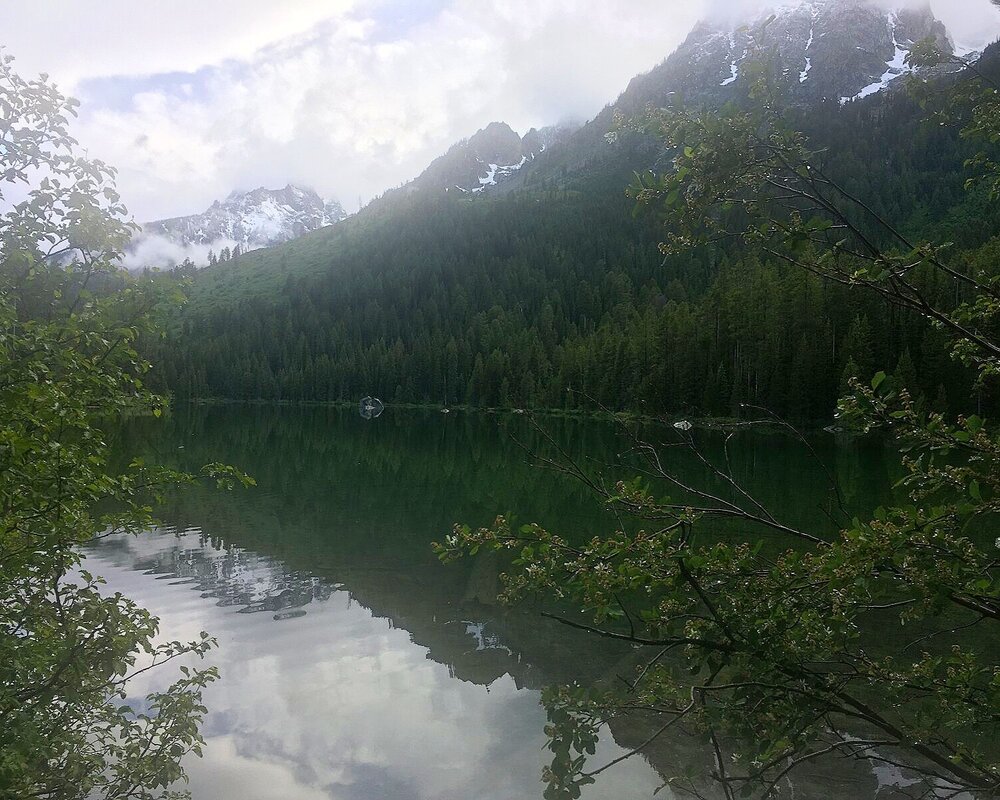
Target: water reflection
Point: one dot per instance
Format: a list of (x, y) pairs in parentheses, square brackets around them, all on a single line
[(324, 696), (354, 665)]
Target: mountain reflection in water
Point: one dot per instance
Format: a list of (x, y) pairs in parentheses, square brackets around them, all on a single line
[(354, 665)]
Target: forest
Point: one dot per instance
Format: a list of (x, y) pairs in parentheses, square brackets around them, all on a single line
[(555, 296)]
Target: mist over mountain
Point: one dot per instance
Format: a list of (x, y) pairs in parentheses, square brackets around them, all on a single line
[(254, 219)]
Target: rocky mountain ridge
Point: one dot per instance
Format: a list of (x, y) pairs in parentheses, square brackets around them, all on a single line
[(821, 52), (258, 218), (489, 156)]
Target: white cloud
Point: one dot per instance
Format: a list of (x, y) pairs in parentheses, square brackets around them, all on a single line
[(972, 22), (342, 704), (347, 105), (77, 39), (342, 96)]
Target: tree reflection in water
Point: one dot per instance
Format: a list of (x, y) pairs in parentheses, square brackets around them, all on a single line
[(369, 682)]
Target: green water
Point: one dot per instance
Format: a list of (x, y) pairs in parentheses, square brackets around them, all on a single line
[(354, 665)]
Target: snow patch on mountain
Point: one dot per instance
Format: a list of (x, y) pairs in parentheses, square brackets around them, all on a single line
[(804, 75), (734, 66), (489, 179), (497, 172), (895, 68)]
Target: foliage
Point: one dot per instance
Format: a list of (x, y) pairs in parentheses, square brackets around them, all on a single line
[(878, 644), (69, 321)]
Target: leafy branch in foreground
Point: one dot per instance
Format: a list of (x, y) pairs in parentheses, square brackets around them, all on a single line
[(792, 647), (69, 320)]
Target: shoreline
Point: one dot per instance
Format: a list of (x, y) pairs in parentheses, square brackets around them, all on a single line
[(668, 420)]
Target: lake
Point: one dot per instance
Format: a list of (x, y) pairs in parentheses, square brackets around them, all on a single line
[(354, 665)]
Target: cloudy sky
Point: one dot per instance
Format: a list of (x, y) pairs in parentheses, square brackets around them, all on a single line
[(191, 99)]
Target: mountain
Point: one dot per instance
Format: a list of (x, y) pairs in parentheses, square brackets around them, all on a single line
[(821, 52), (491, 155), (254, 219), (545, 283)]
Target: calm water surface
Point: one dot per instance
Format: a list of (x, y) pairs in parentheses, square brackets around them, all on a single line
[(355, 667)]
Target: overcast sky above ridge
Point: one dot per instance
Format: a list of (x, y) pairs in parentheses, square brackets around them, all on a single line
[(191, 99)]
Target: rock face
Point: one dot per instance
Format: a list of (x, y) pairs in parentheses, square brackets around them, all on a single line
[(822, 50), (255, 219), (487, 158)]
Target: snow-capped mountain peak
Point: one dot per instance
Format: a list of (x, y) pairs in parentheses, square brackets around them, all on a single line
[(840, 50), (257, 218), (252, 219)]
